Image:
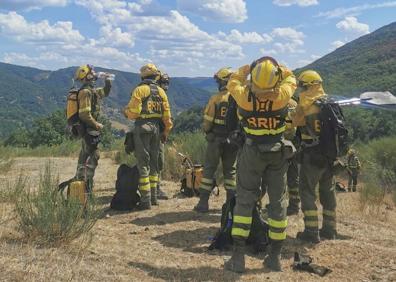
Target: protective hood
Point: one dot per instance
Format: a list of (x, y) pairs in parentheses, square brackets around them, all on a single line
[(313, 93)]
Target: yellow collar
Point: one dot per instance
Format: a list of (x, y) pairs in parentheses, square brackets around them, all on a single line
[(308, 97)]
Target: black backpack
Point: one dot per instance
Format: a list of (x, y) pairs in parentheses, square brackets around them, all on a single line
[(258, 237), (127, 188), (333, 139)]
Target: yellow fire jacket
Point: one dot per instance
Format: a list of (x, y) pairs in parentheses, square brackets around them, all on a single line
[(89, 104), (215, 113), (139, 107), (266, 123), (306, 115)]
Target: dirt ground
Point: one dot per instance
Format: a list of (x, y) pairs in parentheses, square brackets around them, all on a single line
[(170, 242)]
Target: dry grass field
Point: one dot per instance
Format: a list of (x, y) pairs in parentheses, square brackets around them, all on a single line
[(170, 241)]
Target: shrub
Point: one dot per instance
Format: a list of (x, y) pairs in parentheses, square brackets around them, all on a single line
[(46, 218), (379, 169), (192, 145)]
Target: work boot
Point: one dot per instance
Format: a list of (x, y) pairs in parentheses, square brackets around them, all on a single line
[(161, 195), (144, 206), (349, 188), (328, 234), (237, 262), (311, 236), (272, 261), (154, 201), (229, 195), (354, 188), (293, 208), (203, 204)]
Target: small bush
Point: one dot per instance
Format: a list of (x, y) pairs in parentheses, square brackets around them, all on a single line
[(192, 145), (46, 218), (379, 170)]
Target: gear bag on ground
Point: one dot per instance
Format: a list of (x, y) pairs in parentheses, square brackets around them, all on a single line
[(258, 237), (76, 190), (127, 195), (192, 177)]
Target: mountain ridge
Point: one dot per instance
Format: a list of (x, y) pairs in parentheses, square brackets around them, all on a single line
[(365, 64)]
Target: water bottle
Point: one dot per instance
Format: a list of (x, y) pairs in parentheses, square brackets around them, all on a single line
[(106, 75)]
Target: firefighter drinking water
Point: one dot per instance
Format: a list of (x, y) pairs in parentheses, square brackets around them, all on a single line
[(89, 98)]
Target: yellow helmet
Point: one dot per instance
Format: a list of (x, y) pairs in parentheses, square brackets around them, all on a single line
[(265, 73), (223, 74), (84, 72), (149, 70), (309, 77)]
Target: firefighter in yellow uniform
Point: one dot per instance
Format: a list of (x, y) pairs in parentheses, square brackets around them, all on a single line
[(315, 167), (89, 99), (263, 108), (217, 148), (353, 167), (149, 107)]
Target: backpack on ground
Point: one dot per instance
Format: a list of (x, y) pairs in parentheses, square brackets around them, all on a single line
[(258, 237), (333, 139), (192, 177), (127, 189), (191, 181), (74, 125)]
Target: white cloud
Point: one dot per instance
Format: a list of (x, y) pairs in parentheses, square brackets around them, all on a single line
[(269, 52), (77, 54), (31, 4), (355, 10), (171, 36), (288, 33), (303, 3), (230, 11), (16, 26), (288, 40), (245, 37), (337, 44), (351, 24), (115, 37)]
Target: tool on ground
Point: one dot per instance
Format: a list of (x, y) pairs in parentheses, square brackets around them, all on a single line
[(304, 263), (191, 177)]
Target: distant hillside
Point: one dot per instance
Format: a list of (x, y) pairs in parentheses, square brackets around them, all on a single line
[(26, 93), (365, 64)]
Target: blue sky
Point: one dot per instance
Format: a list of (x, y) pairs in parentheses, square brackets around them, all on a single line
[(183, 37)]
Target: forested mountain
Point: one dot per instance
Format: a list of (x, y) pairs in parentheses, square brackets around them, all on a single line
[(365, 64), (26, 93)]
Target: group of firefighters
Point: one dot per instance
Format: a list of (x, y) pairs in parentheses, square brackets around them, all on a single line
[(265, 162)]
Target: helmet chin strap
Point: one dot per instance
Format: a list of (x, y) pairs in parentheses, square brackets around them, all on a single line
[(221, 84)]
